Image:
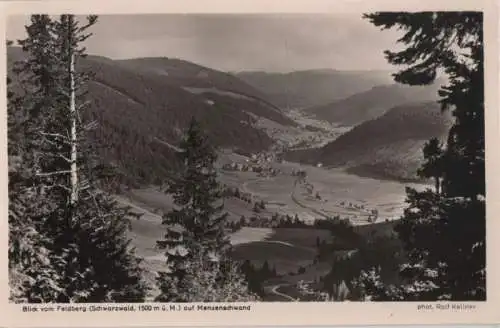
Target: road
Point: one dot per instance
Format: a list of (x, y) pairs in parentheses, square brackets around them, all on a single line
[(274, 290), (312, 209)]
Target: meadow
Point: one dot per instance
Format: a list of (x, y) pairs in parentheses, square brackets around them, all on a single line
[(340, 193), (291, 252)]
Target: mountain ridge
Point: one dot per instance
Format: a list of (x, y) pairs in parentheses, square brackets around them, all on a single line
[(136, 107), (307, 88), (389, 146), (373, 103)]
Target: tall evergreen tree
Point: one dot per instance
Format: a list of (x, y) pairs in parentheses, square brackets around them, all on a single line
[(433, 166), (443, 231), (30, 248), (195, 238), (83, 228), (31, 265)]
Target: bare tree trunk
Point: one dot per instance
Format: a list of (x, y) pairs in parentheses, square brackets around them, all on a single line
[(437, 184), (73, 116)]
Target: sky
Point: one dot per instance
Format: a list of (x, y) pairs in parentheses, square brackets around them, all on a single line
[(237, 42)]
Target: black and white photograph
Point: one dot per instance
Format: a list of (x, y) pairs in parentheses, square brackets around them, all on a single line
[(203, 158)]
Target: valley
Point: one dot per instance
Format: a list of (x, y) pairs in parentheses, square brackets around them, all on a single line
[(291, 252), (293, 165), (275, 199), (234, 157)]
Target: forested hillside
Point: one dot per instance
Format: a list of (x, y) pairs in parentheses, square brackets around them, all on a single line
[(184, 73), (373, 103), (386, 147), (141, 111)]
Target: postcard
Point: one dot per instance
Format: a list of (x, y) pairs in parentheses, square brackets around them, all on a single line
[(243, 163)]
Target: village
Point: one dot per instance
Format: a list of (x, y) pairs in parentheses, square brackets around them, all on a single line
[(262, 165)]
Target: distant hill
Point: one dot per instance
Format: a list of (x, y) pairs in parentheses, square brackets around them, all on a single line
[(196, 77), (309, 88), (141, 111), (389, 146), (372, 103)]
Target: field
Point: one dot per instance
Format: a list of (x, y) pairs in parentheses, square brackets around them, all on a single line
[(287, 250), (343, 194)]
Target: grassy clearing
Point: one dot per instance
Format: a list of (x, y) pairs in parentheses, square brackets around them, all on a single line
[(300, 237), (286, 249), (269, 250), (285, 258), (335, 187), (249, 235), (152, 198)]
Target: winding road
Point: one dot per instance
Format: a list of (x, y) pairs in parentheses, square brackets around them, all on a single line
[(274, 290)]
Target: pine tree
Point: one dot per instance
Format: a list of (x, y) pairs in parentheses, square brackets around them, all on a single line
[(83, 227), (31, 273), (32, 261), (195, 230), (433, 166), (265, 270), (443, 231)]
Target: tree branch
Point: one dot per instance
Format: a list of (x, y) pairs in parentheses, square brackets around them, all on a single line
[(46, 174)]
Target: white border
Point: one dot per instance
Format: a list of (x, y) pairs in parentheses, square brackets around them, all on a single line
[(286, 314)]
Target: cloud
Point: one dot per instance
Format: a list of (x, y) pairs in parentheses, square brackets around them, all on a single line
[(242, 42)]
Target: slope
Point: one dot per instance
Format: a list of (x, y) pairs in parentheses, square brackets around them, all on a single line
[(198, 78), (309, 88), (141, 115), (389, 146), (373, 103)]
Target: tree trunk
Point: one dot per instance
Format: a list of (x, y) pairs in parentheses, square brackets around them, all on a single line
[(73, 117)]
